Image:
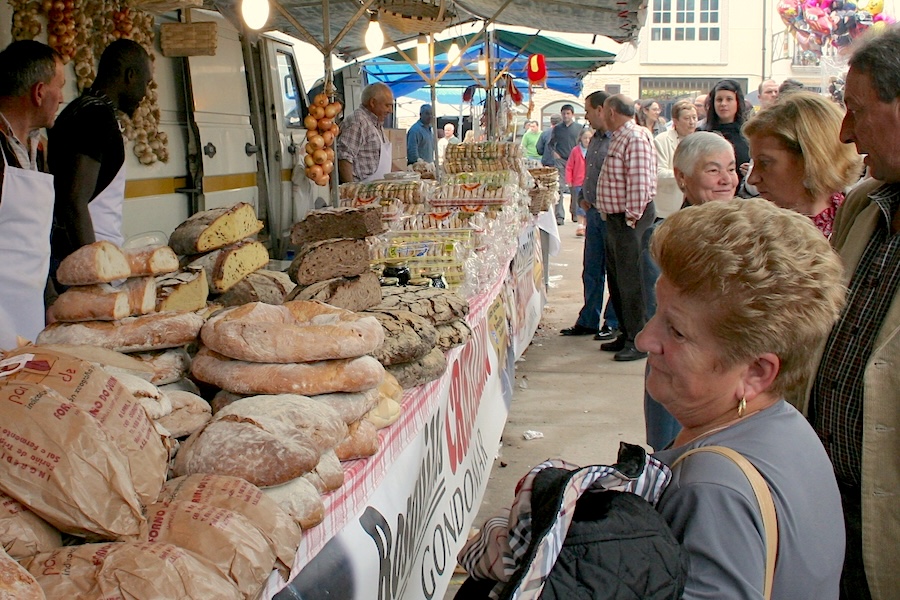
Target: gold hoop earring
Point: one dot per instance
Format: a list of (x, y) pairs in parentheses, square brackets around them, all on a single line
[(742, 407)]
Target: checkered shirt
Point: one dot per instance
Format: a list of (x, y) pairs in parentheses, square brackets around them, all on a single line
[(628, 177), (836, 402), (360, 142)]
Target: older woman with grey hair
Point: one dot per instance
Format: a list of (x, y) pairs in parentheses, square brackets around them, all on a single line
[(705, 171), (746, 289)]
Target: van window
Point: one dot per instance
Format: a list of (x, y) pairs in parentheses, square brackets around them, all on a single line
[(290, 91)]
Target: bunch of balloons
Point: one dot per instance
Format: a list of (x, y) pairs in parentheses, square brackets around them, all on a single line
[(819, 23)]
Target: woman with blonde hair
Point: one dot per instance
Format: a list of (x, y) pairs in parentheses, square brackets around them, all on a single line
[(746, 289), (799, 162)]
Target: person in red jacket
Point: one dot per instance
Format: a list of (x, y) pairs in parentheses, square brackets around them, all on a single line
[(575, 174)]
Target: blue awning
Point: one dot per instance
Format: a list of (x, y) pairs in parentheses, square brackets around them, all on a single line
[(567, 64)]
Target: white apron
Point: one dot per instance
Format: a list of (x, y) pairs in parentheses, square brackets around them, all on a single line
[(26, 214), (106, 210), (384, 162)]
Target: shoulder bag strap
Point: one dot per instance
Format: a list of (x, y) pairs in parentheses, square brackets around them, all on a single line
[(763, 498)]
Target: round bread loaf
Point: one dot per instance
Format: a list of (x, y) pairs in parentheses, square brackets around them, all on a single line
[(421, 371), (189, 413), (295, 332), (307, 379), (133, 334)]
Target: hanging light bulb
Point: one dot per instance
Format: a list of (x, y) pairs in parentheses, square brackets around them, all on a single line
[(482, 63), (453, 54), (255, 13), (374, 34), (422, 50)]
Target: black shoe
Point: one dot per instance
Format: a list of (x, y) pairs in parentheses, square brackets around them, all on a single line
[(577, 330), (560, 222), (605, 334), (614, 346), (629, 353)]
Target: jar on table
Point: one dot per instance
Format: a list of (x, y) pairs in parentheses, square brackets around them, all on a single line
[(437, 280), (389, 282), (420, 281), (398, 270)]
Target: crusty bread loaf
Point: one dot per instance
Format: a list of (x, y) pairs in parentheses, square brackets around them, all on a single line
[(155, 403), (319, 261), (227, 266), (328, 474), (189, 413), (16, 583), (361, 442), (215, 228), (351, 407), (300, 499), (309, 379), (453, 334), (317, 422), (330, 223), (271, 287), (155, 331), (352, 293), (184, 290), (100, 262), (222, 399), (426, 369), (166, 366), (389, 407), (264, 450), (106, 302), (407, 337), (294, 332), (151, 260), (435, 304)]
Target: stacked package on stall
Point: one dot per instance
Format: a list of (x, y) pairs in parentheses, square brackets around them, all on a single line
[(332, 260)]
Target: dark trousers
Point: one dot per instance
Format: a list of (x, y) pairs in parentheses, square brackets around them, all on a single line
[(853, 578), (593, 275), (623, 255)]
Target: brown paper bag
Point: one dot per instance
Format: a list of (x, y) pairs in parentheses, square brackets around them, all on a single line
[(244, 498), (120, 571), (100, 395), (60, 462), (23, 533), (223, 538)]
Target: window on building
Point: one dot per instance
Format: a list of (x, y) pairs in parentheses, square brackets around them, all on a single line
[(684, 20)]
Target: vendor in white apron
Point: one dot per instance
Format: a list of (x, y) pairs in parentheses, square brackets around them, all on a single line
[(364, 152), (87, 152), (26, 194)]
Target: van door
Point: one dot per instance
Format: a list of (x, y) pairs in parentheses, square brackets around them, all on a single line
[(223, 144), (285, 108)]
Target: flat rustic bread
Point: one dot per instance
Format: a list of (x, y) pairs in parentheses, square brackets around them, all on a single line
[(453, 334), (329, 223), (418, 372), (407, 337), (438, 305), (352, 293)]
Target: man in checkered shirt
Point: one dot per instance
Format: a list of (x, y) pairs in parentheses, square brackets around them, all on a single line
[(625, 194), (362, 141), (853, 400)]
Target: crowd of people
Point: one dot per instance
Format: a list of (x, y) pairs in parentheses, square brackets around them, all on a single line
[(752, 256)]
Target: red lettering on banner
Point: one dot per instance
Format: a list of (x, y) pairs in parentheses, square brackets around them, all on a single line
[(466, 387)]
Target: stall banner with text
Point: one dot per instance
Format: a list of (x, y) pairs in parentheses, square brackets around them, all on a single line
[(404, 543), (526, 272)]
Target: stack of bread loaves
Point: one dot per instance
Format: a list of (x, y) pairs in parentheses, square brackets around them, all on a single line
[(121, 317), (310, 383), (220, 242), (420, 324), (332, 263)]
